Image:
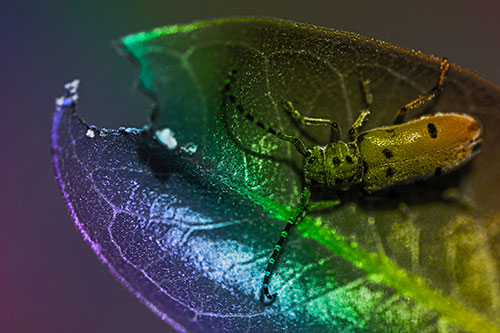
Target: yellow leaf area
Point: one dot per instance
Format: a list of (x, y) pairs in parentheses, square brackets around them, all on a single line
[(381, 269)]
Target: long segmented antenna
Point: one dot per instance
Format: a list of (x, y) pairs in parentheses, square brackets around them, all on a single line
[(296, 216), (228, 94)]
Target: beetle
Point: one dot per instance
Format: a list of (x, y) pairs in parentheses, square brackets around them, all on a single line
[(376, 159)]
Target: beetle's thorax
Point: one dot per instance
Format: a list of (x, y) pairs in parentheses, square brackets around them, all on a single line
[(335, 165)]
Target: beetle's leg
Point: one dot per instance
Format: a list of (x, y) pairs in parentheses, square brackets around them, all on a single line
[(368, 96), (426, 98), (229, 97), (296, 216), (295, 114)]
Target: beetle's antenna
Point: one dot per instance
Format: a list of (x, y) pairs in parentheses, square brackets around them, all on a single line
[(228, 94), (296, 216)]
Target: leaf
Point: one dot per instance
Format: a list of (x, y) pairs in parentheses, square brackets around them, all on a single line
[(190, 233)]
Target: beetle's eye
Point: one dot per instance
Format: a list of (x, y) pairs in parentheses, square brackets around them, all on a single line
[(336, 161), (348, 159)]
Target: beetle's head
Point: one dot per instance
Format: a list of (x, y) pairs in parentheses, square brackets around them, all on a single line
[(314, 165), (335, 165)]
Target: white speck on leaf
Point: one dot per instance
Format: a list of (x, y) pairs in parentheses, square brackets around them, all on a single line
[(60, 101), (90, 133), (189, 148), (71, 94), (72, 86), (166, 136)]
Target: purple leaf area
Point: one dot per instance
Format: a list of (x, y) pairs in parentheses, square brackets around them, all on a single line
[(140, 227)]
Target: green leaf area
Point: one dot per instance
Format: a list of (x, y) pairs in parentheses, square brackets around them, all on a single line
[(422, 256)]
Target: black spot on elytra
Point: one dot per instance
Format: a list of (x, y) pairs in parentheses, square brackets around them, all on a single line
[(348, 159), (438, 171), (477, 147), (336, 161), (431, 128), (389, 172), (387, 153)]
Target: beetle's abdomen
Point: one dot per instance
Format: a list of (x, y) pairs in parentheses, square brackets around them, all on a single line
[(418, 149)]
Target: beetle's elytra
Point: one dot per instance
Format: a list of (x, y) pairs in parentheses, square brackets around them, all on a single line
[(422, 148), (386, 156), (376, 159)]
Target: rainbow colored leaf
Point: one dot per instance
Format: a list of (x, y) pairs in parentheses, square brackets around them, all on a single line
[(188, 229)]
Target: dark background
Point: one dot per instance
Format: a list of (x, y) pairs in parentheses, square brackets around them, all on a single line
[(50, 281)]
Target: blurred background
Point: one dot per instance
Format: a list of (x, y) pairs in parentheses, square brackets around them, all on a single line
[(50, 280)]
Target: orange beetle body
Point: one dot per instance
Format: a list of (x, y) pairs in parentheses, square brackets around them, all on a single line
[(417, 149)]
